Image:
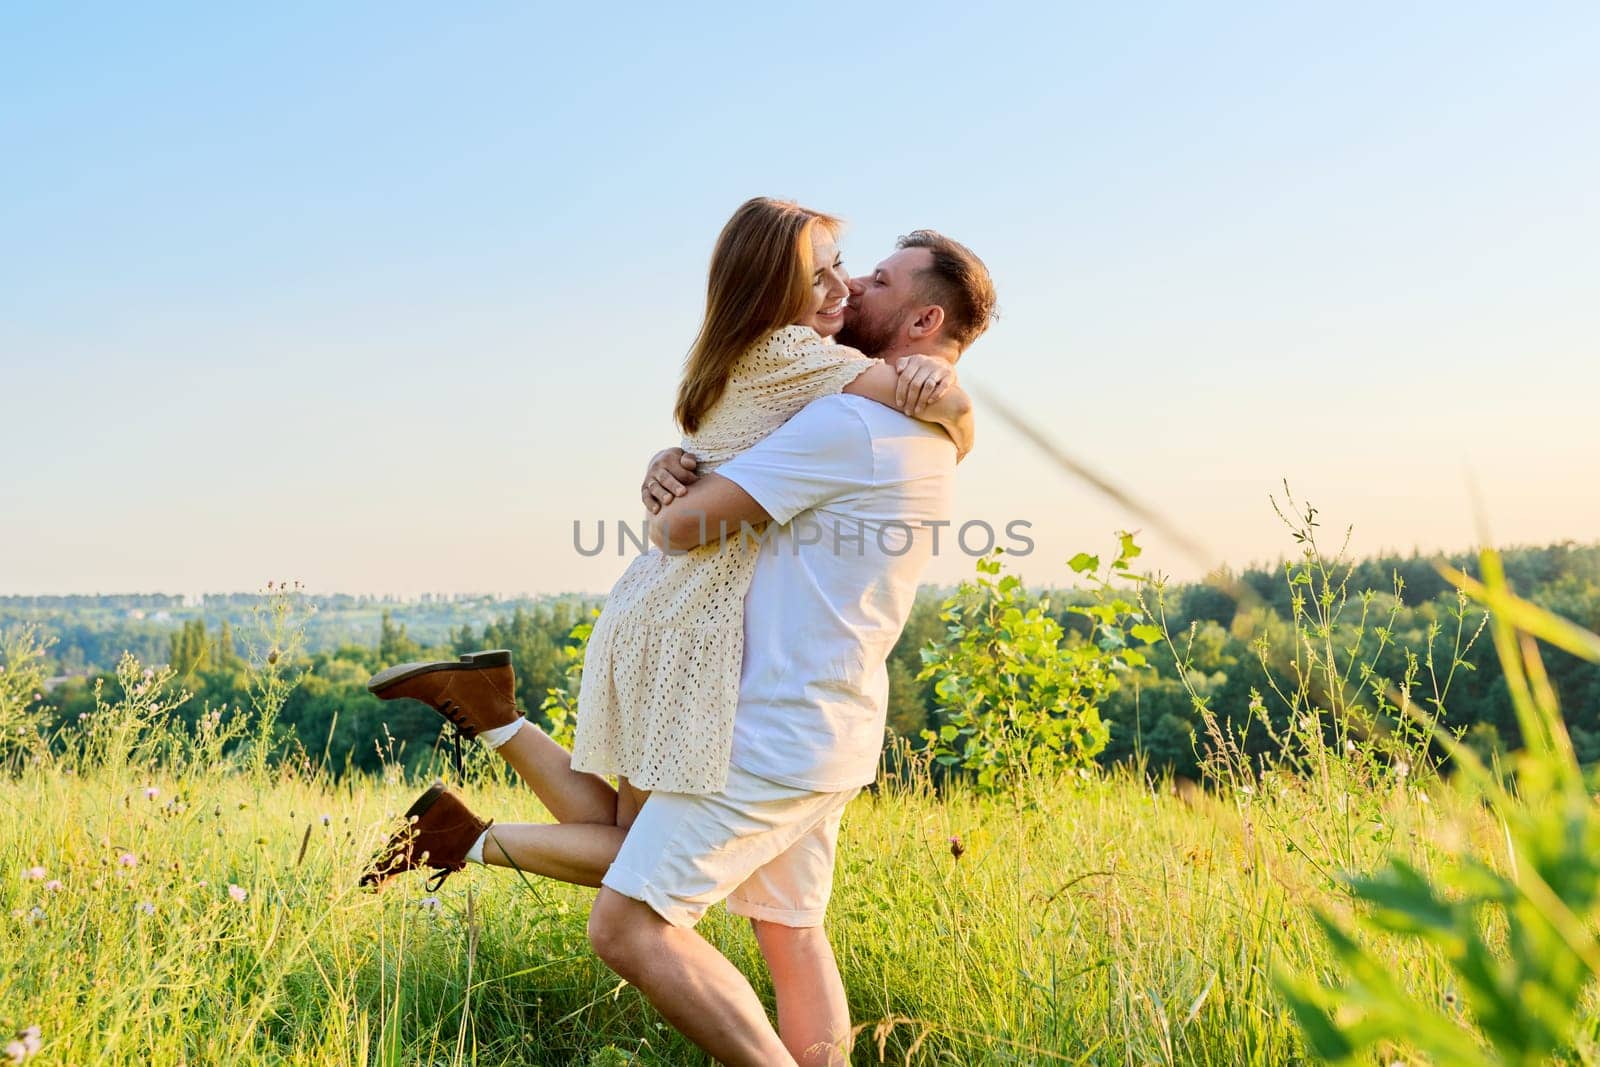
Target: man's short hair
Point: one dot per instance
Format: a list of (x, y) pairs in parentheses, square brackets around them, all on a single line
[(957, 281)]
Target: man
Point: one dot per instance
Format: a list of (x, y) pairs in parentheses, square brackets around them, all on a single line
[(855, 492)]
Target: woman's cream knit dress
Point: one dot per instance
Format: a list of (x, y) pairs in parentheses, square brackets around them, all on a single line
[(661, 674)]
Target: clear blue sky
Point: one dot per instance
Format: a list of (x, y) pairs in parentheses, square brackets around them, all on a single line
[(383, 297)]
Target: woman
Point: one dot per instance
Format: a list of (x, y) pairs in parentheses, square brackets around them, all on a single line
[(661, 674)]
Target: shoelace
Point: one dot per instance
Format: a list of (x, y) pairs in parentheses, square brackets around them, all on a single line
[(436, 879), (457, 718)]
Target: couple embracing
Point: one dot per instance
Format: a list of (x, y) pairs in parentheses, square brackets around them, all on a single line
[(734, 684)]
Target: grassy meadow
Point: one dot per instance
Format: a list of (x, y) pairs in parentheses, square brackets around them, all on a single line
[(181, 891), (211, 917)]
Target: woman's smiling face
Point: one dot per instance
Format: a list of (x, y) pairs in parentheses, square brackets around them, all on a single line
[(829, 285)]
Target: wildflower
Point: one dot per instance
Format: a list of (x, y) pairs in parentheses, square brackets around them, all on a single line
[(149, 673), (151, 792), (956, 847), (53, 886), (202, 883), (1401, 769), (128, 859), (326, 819), (34, 874), (36, 914), (148, 908), (16, 1052), (429, 904), (30, 1039), (237, 893)]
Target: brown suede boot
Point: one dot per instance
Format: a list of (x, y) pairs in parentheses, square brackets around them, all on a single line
[(439, 831), (476, 693)]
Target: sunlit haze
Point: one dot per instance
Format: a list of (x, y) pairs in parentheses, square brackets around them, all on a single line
[(383, 298)]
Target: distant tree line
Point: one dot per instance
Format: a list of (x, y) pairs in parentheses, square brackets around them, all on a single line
[(88, 634), (1226, 625)]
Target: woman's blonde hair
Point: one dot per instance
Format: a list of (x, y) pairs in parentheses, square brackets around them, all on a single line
[(760, 281)]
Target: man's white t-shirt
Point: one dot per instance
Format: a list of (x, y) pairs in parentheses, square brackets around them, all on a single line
[(861, 493)]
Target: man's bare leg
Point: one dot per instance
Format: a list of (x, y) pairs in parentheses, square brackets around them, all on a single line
[(813, 1015), (690, 983), (571, 796), (573, 852)]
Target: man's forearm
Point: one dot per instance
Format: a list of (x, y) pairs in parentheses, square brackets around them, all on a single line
[(713, 509)]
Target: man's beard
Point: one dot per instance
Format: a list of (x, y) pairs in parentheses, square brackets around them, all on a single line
[(864, 335)]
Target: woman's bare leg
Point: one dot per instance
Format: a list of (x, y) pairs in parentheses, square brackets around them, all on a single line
[(629, 800), (571, 796), (573, 852)]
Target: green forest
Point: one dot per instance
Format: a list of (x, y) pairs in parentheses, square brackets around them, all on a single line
[(1235, 631)]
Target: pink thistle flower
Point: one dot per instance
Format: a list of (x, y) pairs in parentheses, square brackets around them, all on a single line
[(25, 1046), (238, 893), (128, 859), (151, 792), (53, 885), (957, 849), (34, 874), (147, 908)]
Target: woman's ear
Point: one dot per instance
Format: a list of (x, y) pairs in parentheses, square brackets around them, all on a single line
[(929, 321)]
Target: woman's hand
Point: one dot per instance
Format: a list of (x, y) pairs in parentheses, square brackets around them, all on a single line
[(670, 473), (922, 381)]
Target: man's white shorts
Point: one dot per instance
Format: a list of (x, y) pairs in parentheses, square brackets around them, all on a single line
[(765, 847)]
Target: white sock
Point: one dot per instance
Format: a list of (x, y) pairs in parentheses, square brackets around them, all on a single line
[(501, 734), (475, 853)]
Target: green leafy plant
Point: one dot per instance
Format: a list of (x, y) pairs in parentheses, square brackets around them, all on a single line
[(1347, 708), (130, 729), (1518, 936), (276, 662), (1018, 696), (560, 704), (22, 710)]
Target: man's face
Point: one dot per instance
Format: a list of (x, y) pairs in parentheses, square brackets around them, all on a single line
[(885, 303)]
